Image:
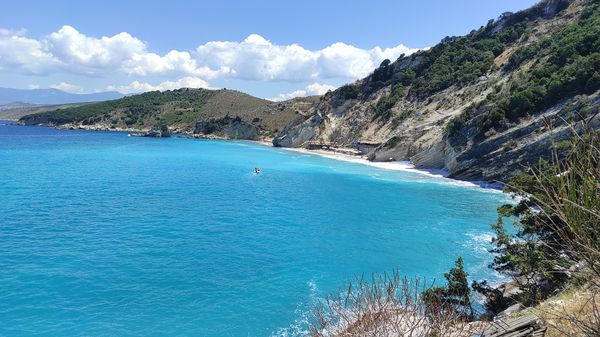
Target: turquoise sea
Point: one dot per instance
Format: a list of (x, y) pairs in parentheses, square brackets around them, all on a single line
[(102, 234)]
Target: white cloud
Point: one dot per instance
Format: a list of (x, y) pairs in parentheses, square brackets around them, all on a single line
[(312, 89), (9, 32), (81, 54), (33, 86), (137, 86), (18, 52), (255, 58), (67, 87)]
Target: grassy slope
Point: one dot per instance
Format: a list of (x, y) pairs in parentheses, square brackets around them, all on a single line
[(543, 72), (506, 47)]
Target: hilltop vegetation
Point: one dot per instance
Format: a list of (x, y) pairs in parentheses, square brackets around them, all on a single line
[(455, 61)]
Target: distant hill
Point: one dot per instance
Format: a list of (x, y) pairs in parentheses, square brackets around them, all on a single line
[(16, 110), (52, 96), (223, 113)]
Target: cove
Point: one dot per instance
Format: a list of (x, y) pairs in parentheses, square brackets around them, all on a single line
[(103, 234)]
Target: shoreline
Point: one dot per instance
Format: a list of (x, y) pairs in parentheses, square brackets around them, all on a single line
[(403, 166)]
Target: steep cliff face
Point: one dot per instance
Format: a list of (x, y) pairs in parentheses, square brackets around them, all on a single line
[(475, 105)]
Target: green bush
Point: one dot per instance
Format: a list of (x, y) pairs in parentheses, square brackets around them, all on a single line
[(133, 107), (385, 104), (455, 295), (567, 64), (348, 91), (557, 222)]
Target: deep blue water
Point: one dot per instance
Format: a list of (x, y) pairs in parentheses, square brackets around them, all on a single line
[(107, 235)]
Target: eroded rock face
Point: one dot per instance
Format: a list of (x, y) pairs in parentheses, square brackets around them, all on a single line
[(158, 132), (227, 127), (501, 155), (299, 131)]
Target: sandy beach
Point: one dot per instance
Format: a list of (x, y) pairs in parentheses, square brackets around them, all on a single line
[(405, 166), (392, 165)]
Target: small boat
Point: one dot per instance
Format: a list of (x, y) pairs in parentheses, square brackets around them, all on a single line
[(257, 170)]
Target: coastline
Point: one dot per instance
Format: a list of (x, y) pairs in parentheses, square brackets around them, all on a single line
[(392, 165), (405, 166), (305, 170)]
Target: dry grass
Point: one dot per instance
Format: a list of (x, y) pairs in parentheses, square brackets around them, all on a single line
[(573, 313), (571, 194), (386, 306)]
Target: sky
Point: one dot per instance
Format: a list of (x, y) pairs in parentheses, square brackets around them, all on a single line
[(270, 49)]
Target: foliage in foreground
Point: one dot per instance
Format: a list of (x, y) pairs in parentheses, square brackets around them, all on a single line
[(455, 295), (389, 305), (557, 222), (556, 239)]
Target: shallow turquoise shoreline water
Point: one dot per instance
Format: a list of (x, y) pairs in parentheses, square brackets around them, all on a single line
[(103, 234)]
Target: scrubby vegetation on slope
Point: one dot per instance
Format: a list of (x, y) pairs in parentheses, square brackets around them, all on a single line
[(456, 61), (564, 64)]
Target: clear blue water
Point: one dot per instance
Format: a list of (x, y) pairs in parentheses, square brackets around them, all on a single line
[(107, 235)]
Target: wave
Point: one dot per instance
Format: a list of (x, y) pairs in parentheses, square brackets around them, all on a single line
[(300, 326), (481, 243)]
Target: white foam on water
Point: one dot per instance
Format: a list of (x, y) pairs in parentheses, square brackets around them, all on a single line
[(301, 324), (479, 242), (312, 285), (439, 175)]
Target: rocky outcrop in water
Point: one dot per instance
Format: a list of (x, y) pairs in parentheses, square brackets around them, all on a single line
[(155, 132)]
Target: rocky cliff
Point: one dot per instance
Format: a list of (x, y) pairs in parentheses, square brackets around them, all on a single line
[(481, 106)]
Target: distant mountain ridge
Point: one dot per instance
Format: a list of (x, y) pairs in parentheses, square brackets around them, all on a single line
[(52, 96)]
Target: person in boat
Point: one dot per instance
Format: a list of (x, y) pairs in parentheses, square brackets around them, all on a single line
[(257, 170)]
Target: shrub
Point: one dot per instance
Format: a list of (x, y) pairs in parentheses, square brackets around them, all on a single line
[(348, 91), (454, 296), (388, 305), (557, 222)]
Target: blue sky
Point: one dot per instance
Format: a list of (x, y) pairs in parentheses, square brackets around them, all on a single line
[(272, 49)]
